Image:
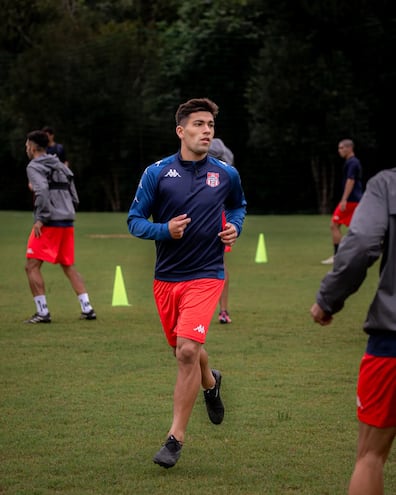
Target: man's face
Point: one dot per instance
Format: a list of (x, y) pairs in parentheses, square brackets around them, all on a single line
[(30, 146), (196, 134), (344, 150)]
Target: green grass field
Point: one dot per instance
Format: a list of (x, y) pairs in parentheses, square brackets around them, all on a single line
[(84, 406)]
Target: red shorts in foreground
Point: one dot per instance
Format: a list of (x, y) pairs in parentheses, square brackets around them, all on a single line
[(186, 308), (55, 245), (376, 391), (344, 217)]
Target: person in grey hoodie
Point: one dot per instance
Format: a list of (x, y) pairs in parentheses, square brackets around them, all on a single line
[(372, 233), (52, 235)]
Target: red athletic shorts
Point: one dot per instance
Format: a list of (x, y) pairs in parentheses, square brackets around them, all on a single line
[(55, 245), (344, 217), (376, 391), (186, 308)]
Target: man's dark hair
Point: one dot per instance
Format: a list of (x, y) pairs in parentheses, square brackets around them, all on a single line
[(48, 129), (195, 105), (38, 137)]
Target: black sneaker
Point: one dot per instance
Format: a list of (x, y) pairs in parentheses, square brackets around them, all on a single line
[(214, 404), (91, 315), (169, 453), (36, 318)]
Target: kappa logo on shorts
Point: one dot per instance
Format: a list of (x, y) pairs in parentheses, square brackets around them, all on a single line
[(212, 179), (30, 251), (172, 173), (199, 329)]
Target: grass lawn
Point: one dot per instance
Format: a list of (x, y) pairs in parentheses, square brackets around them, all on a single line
[(84, 405)]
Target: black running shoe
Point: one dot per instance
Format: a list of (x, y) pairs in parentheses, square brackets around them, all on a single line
[(169, 453), (36, 318), (91, 315), (214, 404)]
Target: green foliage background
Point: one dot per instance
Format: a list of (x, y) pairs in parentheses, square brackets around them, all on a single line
[(291, 79)]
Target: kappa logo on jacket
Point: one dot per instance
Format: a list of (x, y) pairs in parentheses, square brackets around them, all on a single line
[(172, 173), (212, 179)]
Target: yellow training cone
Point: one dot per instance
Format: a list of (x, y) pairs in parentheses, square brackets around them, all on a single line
[(261, 253), (119, 293)]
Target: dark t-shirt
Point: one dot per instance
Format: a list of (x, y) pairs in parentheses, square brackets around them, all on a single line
[(58, 150), (353, 170)]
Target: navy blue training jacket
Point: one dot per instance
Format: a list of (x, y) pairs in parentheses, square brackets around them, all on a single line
[(202, 190)]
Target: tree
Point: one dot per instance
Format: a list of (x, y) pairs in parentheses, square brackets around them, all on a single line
[(206, 51), (90, 91), (291, 79), (303, 97)]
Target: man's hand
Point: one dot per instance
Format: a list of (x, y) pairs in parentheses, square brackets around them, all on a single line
[(37, 228), (177, 226), (229, 234), (320, 316)]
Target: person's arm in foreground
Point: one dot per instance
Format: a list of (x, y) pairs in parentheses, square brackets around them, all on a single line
[(358, 250)]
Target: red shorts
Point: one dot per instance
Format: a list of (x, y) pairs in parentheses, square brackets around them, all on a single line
[(344, 217), (186, 308), (376, 391), (55, 245)]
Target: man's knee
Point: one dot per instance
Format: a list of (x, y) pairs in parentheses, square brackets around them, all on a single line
[(32, 264), (68, 270), (187, 351)]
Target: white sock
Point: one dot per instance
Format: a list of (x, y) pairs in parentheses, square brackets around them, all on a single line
[(41, 305), (84, 302)]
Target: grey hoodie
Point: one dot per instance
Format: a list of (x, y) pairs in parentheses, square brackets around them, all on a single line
[(372, 232), (220, 151), (54, 190)]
